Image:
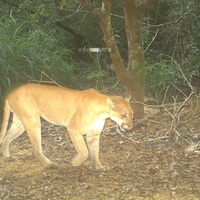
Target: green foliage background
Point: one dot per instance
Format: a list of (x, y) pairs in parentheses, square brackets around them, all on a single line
[(172, 26), (33, 43), (25, 54)]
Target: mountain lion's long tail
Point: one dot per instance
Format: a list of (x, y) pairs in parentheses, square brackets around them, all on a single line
[(4, 125)]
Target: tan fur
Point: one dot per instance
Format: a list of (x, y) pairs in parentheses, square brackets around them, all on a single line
[(82, 112)]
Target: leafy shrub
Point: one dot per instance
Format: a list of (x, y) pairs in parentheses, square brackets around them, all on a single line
[(25, 54), (160, 76)]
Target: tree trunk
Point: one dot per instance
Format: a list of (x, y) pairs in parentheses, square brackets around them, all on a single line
[(133, 20), (133, 76)]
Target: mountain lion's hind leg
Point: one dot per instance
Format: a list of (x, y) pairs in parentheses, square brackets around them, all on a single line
[(15, 130), (33, 129)]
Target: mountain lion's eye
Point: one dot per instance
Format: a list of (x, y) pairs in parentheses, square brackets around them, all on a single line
[(124, 116)]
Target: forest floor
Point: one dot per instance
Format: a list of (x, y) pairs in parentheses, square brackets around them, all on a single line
[(158, 160)]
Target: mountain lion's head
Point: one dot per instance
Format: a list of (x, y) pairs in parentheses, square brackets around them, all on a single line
[(121, 112)]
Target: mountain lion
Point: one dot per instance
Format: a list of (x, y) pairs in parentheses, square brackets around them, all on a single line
[(82, 112)]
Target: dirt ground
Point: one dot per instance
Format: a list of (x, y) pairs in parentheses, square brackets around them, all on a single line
[(151, 162)]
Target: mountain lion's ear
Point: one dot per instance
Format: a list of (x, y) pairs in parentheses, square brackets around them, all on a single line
[(128, 98), (110, 102)]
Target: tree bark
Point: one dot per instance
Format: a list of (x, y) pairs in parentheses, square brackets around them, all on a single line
[(133, 19), (133, 75)]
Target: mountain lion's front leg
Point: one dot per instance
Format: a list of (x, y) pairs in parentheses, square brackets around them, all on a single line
[(80, 146), (93, 144)]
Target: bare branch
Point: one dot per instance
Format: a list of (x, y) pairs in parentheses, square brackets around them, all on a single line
[(106, 7), (87, 4), (152, 40), (148, 3), (99, 13), (142, 5)]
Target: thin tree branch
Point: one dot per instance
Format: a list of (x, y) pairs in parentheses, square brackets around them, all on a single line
[(151, 41)]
